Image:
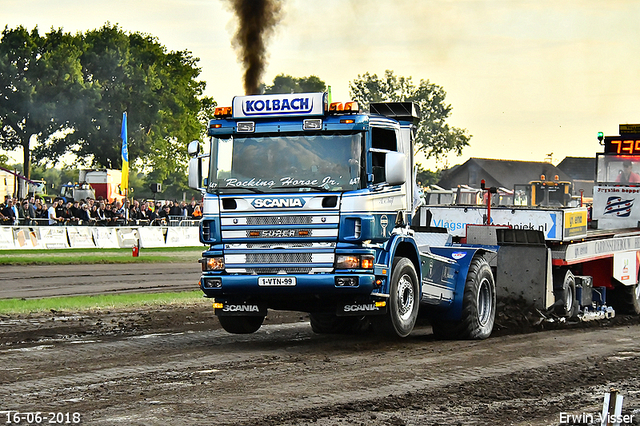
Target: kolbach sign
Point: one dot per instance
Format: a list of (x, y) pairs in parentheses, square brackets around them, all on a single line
[(263, 106)]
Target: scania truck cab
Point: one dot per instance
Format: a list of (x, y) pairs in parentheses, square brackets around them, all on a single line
[(308, 206)]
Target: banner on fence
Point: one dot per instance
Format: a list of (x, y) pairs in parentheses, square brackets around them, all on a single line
[(6, 238), (183, 237), (26, 238), (53, 237), (105, 237), (151, 236), (127, 237), (80, 237)]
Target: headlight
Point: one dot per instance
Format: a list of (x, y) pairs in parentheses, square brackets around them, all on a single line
[(354, 261), (212, 263)]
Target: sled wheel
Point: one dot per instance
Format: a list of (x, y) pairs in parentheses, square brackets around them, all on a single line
[(564, 288), (625, 299), (241, 324)]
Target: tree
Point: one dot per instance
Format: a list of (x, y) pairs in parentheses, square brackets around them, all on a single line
[(133, 72), (40, 77), (434, 136), (69, 92), (427, 177), (288, 84)]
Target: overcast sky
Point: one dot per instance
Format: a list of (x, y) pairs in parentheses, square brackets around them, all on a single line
[(526, 78)]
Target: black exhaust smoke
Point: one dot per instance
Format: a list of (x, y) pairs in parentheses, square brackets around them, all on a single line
[(256, 22)]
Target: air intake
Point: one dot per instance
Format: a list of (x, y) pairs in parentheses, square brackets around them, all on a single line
[(401, 111)]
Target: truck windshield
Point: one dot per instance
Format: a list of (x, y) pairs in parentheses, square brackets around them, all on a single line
[(289, 163)]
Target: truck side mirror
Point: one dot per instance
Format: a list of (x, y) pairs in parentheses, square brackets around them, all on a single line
[(193, 148), (195, 172), (395, 168)]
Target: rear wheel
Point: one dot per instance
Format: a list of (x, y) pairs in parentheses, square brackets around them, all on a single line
[(478, 306), (626, 299), (564, 288), (404, 301), (241, 324)]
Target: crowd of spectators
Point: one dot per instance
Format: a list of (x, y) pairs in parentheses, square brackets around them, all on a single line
[(36, 211)]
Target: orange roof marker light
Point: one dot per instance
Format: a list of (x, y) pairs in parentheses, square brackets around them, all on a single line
[(351, 107), (336, 107), (222, 112)]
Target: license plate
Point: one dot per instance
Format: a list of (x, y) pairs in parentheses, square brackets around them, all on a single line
[(277, 281)]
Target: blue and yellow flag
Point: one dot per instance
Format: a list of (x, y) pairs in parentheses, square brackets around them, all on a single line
[(124, 184)]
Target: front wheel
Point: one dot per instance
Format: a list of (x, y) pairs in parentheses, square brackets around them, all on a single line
[(404, 301), (478, 306), (241, 324)]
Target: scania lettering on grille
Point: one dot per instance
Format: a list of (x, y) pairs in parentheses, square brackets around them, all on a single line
[(269, 203)]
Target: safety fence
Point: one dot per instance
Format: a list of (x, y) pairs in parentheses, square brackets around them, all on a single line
[(59, 237)]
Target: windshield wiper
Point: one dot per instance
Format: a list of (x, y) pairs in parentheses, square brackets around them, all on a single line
[(257, 191), (317, 188)]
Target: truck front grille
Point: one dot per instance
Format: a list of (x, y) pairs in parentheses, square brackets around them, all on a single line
[(279, 258), (278, 220), (276, 270)]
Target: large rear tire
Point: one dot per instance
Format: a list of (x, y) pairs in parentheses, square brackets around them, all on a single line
[(478, 306), (241, 324), (625, 299), (404, 301)]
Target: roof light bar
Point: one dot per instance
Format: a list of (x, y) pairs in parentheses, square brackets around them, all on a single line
[(336, 107), (221, 112)]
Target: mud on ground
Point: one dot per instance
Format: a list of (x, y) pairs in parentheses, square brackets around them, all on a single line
[(530, 396)]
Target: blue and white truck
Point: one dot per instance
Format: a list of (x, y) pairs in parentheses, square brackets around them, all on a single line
[(308, 206)]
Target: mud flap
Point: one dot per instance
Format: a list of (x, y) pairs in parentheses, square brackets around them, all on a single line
[(359, 308), (224, 308)]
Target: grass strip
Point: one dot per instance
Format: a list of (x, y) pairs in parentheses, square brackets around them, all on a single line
[(92, 256), (103, 301)]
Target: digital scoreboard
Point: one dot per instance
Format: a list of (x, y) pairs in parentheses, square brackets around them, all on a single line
[(628, 143), (625, 144)]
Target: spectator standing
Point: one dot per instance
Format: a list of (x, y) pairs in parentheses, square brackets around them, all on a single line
[(135, 213), (60, 209), (27, 212), (16, 213), (41, 210), (174, 210), (83, 215), (164, 214), (197, 213), (191, 207), (98, 213), (8, 214), (52, 213)]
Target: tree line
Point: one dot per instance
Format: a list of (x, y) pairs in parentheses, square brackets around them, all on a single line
[(63, 93)]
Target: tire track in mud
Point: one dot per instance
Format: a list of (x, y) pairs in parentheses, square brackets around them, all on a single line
[(282, 368), (35, 281)]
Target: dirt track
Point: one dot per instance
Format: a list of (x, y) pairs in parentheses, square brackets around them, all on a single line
[(175, 366), (72, 280)]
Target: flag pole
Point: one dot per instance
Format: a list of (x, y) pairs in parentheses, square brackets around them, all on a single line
[(124, 181)]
